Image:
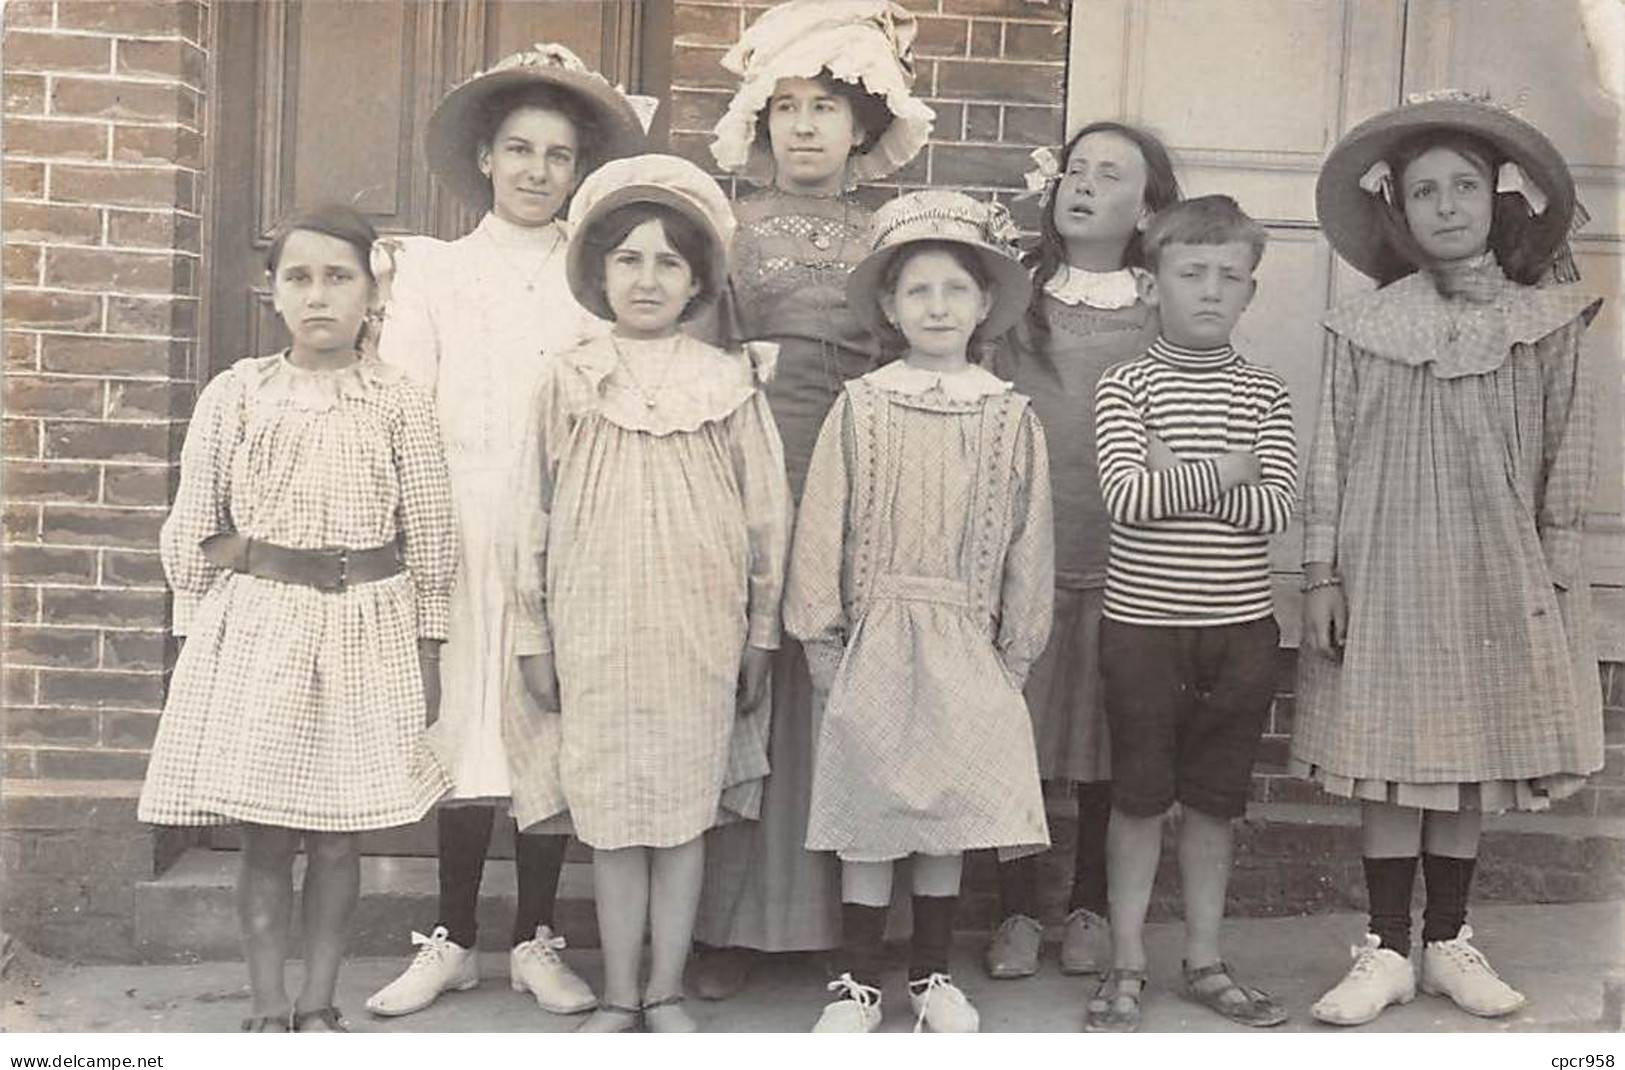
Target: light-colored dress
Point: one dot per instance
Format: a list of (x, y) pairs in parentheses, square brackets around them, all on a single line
[(1448, 485), (920, 586), (790, 259), (473, 321), (655, 523), (293, 706)]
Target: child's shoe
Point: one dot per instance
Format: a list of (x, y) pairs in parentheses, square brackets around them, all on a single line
[(856, 1011), (1379, 977), (1085, 943), (535, 966), (440, 966), (1013, 951), (1457, 969), (941, 1007)]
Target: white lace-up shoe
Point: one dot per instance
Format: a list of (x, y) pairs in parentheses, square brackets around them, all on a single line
[(856, 1011), (939, 1006), (535, 967), (439, 966), (1457, 969), (1379, 978)]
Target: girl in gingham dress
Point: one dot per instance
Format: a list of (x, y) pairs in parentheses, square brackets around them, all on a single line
[(311, 552), (654, 526), (1449, 666), (920, 586)]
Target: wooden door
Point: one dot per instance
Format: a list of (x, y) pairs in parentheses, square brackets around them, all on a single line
[(324, 100), (1250, 96)]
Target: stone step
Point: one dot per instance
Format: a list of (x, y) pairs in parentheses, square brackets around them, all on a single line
[(1290, 860)]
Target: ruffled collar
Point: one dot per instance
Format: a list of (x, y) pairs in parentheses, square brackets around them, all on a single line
[(1411, 323), (1105, 290), (668, 385), (970, 383), (543, 239), (276, 378)]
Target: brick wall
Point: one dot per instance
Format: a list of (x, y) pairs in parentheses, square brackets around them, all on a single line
[(103, 120)]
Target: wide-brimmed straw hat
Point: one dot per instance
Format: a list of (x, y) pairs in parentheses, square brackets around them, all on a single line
[(943, 215), (654, 178), (452, 142), (868, 43), (1353, 182)]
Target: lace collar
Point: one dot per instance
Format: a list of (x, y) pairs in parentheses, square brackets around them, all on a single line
[(1105, 290), (513, 236), (1410, 322), (663, 387), (971, 383), (276, 378)]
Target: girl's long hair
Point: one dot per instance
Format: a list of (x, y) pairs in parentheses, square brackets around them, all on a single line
[(1161, 190)]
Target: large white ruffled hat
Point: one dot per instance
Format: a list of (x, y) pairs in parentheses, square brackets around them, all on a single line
[(653, 178), (869, 43)]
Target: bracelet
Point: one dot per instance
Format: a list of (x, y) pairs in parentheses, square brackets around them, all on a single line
[(1330, 581)]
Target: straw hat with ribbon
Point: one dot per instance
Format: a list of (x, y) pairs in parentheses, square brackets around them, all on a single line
[(452, 142), (943, 215), (1357, 186), (653, 178), (869, 43)]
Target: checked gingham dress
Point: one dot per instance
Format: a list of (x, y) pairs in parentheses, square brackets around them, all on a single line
[(1448, 485), (921, 582), (654, 523), (293, 706)]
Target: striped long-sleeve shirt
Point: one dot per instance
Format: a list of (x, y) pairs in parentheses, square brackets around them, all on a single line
[(1183, 551)]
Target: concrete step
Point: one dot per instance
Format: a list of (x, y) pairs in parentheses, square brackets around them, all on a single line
[(1290, 859)]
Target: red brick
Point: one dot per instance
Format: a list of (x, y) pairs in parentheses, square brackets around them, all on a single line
[(1026, 40), (128, 729), (114, 99), (90, 765), (139, 484), (76, 525), (152, 18), (21, 438), (92, 440), (24, 94), (53, 53), (98, 355), (1025, 9), (51, 481), (136, 650), (695, 24), (984, 38), (52, 647), (31, 724), (178, 60), (941, 37), (123, 690), (21, 265), (138, 187), (21, 605), (132, 569), (39, 308), (1033, 126), (43, 395), (49, 564), (695, 148), (23, 178), (46, 137), (56, 223), (18, 763), (950, 124), (21, 521), (19, 687), (692, 110), (158, 145), (700, 68), (101, 269), (146, 315), (981, 122), (22, 352), (978, 165), (149, 401), (97, 607), (1023, 83), (28, 14)]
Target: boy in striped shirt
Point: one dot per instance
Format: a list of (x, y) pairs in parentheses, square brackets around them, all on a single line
[(1198, 468)]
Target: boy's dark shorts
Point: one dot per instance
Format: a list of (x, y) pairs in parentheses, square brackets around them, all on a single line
[(1187, 707)]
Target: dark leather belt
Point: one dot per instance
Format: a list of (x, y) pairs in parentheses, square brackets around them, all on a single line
[(326, 570)]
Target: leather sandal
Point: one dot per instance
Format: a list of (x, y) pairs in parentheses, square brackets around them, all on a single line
[(328, 1016), (1255, 1008), (266, 1023), (1102, 1014)]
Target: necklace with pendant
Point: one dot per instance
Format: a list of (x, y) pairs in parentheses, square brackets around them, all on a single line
[(517, 270), (648, 394)]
